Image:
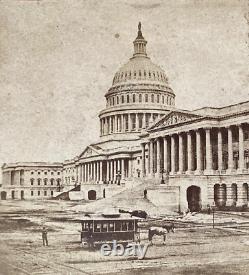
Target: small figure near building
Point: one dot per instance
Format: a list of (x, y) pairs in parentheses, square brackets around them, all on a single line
[(145, 193), (44, 236)]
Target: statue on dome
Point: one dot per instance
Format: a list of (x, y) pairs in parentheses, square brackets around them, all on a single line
[(139, 26)]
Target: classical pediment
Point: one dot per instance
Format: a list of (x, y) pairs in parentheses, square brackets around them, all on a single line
[(89, 152), (174, 118)]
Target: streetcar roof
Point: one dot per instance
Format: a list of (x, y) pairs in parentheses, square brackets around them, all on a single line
[(104, 217)]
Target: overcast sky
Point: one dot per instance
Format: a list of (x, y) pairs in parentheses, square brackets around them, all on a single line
[(58, 58)]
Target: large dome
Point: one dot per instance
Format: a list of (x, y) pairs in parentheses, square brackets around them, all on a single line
[(139, 95), (140, 68)]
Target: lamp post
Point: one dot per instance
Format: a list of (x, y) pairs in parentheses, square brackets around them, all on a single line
[(213, 209)]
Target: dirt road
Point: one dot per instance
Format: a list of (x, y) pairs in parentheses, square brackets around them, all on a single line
[(194, 249)]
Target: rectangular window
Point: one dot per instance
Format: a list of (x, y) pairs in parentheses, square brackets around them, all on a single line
[(52, 192), (32, 193), (45, 193), (39, 193), (157, 98)]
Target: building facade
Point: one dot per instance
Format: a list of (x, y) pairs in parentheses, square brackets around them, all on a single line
[(32, 180), (191, 158)]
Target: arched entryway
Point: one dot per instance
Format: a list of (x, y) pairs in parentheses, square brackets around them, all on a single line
[(3, 195), (245, 194), (234, 193), (92, 195), (220, 195), (194, 198), (22, 195)]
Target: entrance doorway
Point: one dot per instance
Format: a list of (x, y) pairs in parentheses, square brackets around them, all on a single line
[(92, 195), (22, 195), (3, 195), (194, 198)]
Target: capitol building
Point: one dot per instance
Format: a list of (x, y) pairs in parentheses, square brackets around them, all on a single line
[(184, 159)]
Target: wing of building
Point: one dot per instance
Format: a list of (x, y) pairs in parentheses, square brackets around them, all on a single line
[(195, 158)]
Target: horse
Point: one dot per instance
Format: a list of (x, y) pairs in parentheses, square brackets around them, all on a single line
[(135, 213), (170, 227), (160, 231)]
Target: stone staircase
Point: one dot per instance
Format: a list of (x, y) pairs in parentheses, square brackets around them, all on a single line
[(132, 198), (64, 195)]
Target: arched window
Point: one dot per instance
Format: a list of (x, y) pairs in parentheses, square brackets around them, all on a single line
[(145, 73), (117, 100), (39, 181), (122, 99), (52, 181), (152, 98), (149, 75), (135, 74), (157, 98), (58, 181), (163, 99), (127, 98), (113, 102), (134, 97), (32, 181), (45, 181), (146, 97), (140, 74), (140, 98)]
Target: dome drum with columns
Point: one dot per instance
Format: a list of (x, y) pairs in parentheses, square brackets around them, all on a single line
[(140, 94)]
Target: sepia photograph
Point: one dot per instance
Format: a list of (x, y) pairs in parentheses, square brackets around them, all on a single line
[(124, 137)]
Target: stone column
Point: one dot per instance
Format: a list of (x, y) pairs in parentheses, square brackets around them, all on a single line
[(111, 170), (173, 159), (114, 169), (158, 156), (151, 157), (89, 171), (241, 149), (190, 152), (137, 122), (129, 122), (198, 151), (165, 154), (220, 161), (97, 171), (122, 169), (130, 168), (107, 171), (144, 121), (143, 160), (118, 165), (100, 171), (208, 150), (230, 148), (180, 152)]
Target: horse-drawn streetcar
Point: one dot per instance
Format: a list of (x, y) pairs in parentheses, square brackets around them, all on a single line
[(105, 228)]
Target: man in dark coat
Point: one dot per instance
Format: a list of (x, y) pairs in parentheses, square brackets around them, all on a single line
[(44, 236)]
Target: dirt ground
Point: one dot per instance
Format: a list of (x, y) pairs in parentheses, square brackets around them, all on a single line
[(195, 247)]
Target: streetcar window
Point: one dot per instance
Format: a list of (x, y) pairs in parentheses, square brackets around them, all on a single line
[(130, 226), (97, 227), (104, 227), (111, 226), (124, 226), (118, 226)]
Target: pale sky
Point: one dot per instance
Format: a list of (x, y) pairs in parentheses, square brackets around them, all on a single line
[(58, 58)]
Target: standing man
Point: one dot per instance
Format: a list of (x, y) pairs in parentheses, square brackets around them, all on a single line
[(44, 236)]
